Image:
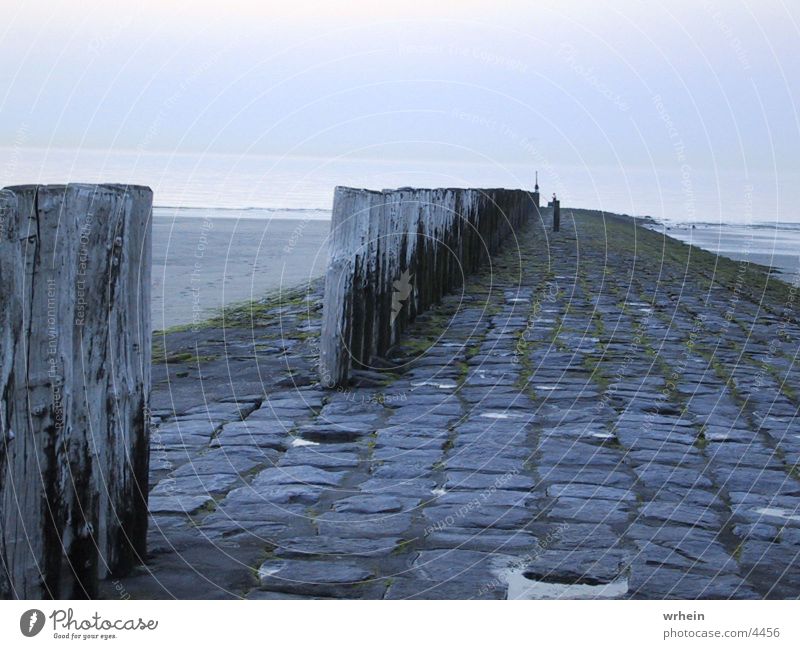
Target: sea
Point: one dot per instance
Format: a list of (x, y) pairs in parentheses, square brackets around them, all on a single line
[(776, 245), (229, 227)]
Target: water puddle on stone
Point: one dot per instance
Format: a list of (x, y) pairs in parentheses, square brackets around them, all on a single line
[(520, 587), (268, 568), (299, 441), (717, 437), (778, 513), (442, 385), (545, 388), (499, 415), (439, 492)]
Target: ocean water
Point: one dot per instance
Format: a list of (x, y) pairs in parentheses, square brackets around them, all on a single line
[(770, 244), (229, 228), (204, 180)]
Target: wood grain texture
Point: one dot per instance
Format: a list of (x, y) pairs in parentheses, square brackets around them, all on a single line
[(74, 385), (395, 253)]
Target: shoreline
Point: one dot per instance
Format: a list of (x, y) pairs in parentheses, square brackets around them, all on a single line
[(235, 313), (202, 264)]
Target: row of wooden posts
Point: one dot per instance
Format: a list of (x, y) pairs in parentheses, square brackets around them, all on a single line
[(75, 345), (394, 254)]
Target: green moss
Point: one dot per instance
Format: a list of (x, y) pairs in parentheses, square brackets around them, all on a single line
[(754, 281), (593, 365), (701, 441), (404, 546), (250, 312), (463, 372), (472, 350), (183, 357)]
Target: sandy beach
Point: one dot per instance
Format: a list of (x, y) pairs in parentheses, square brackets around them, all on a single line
[(205, 259)]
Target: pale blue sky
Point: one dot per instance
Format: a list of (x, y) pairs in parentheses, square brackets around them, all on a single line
[(548, 84)]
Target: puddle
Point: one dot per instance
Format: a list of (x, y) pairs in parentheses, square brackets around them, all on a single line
[(439, 492), (718, 437), (778, 512), (269, 568), (499, 415), (335, 436), (299, 441), (520, 587), (545, 388), (442, 385), (603, 436)]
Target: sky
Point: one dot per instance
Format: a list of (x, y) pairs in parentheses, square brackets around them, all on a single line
[(687, 92)]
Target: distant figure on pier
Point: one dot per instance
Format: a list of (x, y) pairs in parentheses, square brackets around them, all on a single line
[(535, 195), (556, 213)]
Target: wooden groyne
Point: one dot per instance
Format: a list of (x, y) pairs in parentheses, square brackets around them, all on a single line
[(74, 385), (394, 253)]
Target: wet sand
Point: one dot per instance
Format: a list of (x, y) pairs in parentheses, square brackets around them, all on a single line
[(204, 262)]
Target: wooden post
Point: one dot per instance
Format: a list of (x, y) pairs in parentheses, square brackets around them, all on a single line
[(74, 386), (556, 214)]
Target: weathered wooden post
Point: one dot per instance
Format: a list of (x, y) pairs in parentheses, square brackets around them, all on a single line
[(394, 254), (74, 385), (556, 214)]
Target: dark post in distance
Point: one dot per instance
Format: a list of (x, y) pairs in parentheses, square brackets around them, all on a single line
[(556, 214)]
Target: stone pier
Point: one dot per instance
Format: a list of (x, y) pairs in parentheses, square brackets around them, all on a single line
[(608, 413)]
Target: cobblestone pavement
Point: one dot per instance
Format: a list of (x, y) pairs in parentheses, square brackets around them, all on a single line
[(603, 413)]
